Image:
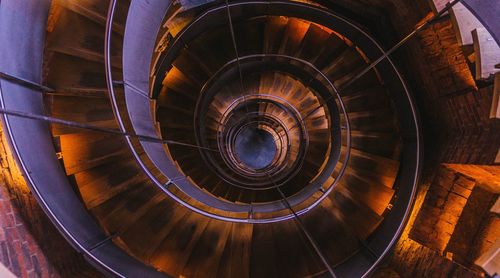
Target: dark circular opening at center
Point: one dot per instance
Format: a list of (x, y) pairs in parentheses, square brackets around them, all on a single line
[(255, 147)]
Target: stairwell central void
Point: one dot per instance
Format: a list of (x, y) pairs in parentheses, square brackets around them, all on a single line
[(255, 147), (211, 138)]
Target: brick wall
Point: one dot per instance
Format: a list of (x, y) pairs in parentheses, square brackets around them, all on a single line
[(477, 229), (456, 130), (454, 111), (30, 246), (19, 251), (411, 259), (450, 227), (441, 210), (474, 138), (455, 218)]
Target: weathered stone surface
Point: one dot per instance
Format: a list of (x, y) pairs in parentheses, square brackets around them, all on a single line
[(455, 220), (411, 259), (441, 210)]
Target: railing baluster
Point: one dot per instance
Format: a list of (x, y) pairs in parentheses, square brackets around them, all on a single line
[(235, 46), (25, 82), (385, 55), (53, 120), (304, 230)]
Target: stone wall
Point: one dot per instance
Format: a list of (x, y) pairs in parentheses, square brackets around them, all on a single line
[(454, 111), (450, 227)]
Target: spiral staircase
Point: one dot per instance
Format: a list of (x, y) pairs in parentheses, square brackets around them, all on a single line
[(257, 139)]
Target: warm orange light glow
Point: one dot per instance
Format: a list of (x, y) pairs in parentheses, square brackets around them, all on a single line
[(10, 170), (485, 175)]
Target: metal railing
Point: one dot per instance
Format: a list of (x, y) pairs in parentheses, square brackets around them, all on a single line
[(165, 183)]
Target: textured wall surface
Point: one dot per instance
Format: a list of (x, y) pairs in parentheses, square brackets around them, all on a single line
[(19, 251), (455, 218), (30, 246), (454, 110), (457, 129), (451, 226)]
